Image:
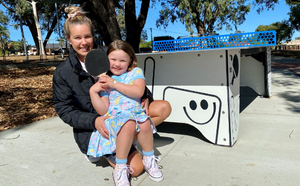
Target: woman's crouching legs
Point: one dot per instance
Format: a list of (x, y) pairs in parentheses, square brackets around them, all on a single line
[(159, 110)]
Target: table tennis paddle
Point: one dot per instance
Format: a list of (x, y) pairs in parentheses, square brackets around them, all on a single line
[(96, 62)]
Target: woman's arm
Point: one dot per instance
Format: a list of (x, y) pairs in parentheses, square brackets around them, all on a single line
[(65, 107)]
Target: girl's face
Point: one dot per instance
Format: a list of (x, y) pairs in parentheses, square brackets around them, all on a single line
[(119, 62), (81, 39)]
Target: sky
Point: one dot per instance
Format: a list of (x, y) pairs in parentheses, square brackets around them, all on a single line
[(253, 20)]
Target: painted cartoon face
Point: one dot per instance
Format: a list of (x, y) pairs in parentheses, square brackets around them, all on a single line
[(199, 108)]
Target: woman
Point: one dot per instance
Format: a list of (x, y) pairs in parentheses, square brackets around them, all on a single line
[(71, 84)]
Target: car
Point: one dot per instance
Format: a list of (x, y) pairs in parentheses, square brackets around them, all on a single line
[(60, 50), (31, 53), (28, 52)]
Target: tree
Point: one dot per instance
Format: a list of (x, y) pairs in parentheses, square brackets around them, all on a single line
[(104, 17), (50, 22), (294, 10), (18, 45), (4, 33), (121, 20), (4, 36), (265, 4), (27, 16), (283, 31), (204, 16), (294, 14), (146, 44)]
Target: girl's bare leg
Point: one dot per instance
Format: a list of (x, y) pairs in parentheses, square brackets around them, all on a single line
[(145, 136), (125, 139), (124, 142), (159, 110)]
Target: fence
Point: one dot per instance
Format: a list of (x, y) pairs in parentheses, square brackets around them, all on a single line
[(288, 47), (16, 52)]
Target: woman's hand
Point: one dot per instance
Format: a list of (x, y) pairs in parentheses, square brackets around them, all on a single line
[(145, 104), (100, 126)]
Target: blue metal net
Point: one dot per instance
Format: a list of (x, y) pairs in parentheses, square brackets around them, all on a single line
[(252, 39)]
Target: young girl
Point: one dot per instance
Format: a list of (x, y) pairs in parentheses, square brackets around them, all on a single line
[(120, 98)]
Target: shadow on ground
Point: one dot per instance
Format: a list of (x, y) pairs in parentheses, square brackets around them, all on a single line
[(289, 92), (247, 96)]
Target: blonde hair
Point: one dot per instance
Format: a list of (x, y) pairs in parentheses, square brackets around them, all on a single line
[(126, 47), (76, 17)]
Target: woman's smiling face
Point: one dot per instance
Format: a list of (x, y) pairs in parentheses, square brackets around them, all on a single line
[(81, 39)]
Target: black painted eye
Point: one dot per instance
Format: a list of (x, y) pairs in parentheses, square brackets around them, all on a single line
[(204, 104), (193, 105)]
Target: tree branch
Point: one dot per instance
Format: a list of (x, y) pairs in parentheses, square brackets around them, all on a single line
[(9, 9)]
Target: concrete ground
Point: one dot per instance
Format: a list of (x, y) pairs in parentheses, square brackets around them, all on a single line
[(266, 153)]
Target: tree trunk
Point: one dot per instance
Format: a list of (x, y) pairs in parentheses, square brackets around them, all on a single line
[(99, 25), (33, 31), (134, 26), (38, 26), (53, 24), (109, 17), (108, 26), (3, 50), (200, 26)]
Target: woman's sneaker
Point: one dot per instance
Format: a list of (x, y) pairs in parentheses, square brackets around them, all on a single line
[(151, 168), (121, 175), (92, 159)]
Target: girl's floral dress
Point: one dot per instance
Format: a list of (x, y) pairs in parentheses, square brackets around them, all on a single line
[(121, 109)]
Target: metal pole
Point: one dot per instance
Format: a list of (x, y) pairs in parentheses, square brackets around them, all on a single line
[(151, 34)]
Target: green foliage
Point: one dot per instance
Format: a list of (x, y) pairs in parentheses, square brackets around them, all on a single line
[(23, 13), (261, 5), (3, 19), (121, 20), (145, 44), (284, 32), (19, 45), (294, 20), (295, 15), (204, 16), (4, 32), (6, 53)]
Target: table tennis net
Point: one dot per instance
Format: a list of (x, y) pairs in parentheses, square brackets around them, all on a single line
[(239, 40)]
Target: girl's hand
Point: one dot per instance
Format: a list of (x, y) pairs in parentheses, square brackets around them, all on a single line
[(98, 86), (108, 81)]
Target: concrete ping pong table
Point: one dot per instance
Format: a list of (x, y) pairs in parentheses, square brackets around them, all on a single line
[(201, 78)]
